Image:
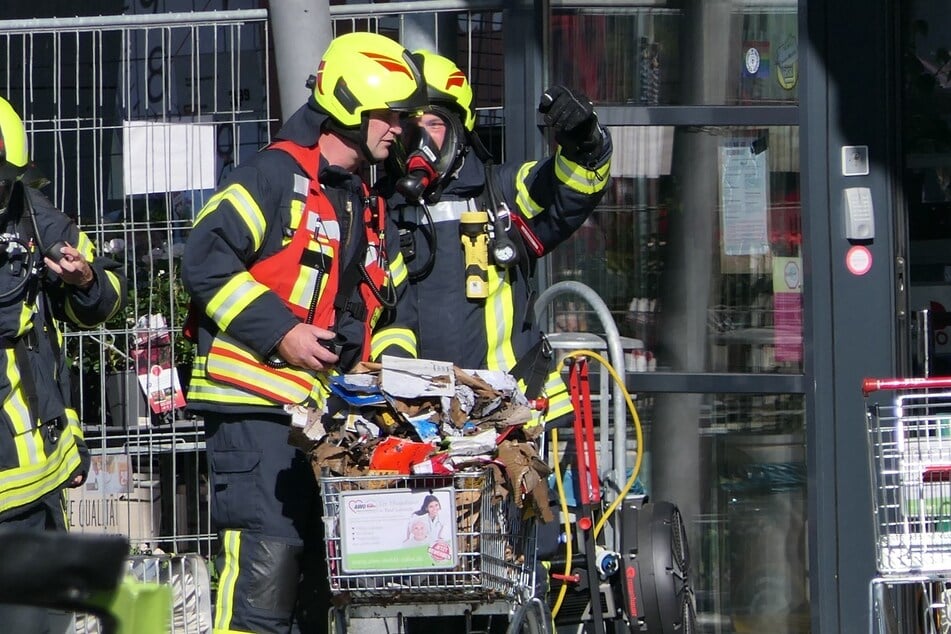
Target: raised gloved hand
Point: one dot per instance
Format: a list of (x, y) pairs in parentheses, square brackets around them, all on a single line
[(571, 115)]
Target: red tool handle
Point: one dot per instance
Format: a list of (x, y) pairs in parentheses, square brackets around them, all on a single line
[(586, 453), (875, 385)]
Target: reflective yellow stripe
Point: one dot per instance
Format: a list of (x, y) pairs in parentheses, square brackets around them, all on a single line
[(224, 602), (112, 280), (559, 399), (14, 406), (26, 318), (72, 419), (85, 247), (233, 298), (202, 390), (579, 178), (231, 363), (403, 338), (297, 212), (26, 438), (399, 273), (244, 205), (523, 200), (26, 484), (303, 290), (499, 320)]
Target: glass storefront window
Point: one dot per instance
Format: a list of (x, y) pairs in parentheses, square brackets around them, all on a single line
[(720, 52), (735, 466), (696, 250)]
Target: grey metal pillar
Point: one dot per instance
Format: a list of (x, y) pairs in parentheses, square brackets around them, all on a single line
[(523, 79), (676, 450), (302, 30)]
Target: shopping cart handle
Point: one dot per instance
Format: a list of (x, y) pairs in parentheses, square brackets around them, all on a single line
[(874, 385), (566, 578), (936, 473)]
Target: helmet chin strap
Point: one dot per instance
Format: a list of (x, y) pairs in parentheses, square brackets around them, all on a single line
[(357, 136)]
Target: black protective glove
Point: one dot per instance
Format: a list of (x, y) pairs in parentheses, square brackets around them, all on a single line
[(571, 115)]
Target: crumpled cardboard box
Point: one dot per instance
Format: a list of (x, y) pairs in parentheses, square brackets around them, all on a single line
[(418, 416)]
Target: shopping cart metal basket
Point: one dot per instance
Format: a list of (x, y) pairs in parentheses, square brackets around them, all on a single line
[(909, 448), (909, 451), (375, 555)]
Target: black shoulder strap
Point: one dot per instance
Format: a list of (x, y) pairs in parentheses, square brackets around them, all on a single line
[(534, 367), (525, 263), (345, 300)]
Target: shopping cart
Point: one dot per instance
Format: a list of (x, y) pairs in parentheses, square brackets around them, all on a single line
[(909, 450), (483, 565)]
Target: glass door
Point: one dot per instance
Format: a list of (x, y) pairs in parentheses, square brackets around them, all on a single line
[(697, 251), (925, 74)]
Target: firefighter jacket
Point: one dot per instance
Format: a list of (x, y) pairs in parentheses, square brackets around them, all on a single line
[(280, 243), (434, 318), (41, 441)]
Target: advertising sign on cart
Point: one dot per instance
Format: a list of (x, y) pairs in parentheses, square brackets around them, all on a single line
[(397, 529)]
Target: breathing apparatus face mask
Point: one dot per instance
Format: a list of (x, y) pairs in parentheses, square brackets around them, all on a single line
[(430, 150), (9, 174)]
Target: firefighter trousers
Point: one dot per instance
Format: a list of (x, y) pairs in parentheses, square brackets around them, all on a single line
[(265, 506)]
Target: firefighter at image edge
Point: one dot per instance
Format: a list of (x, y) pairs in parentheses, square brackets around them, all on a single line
[(288, 253), (49, 272)]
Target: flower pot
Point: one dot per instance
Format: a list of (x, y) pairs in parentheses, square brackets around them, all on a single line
[(126, 404)]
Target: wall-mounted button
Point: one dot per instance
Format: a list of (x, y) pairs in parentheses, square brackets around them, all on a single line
[(854, 160)]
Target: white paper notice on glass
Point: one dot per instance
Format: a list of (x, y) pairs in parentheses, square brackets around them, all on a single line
[(162, 157), (744, 203)]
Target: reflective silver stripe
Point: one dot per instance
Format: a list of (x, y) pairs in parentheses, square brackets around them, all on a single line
[(224, 605), (398, 271), (579, 178), (443, 211), (23, 485), (301, 184), (236, 295), (499, 320)]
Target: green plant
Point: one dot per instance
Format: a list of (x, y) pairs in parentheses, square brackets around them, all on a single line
[(152, 289)]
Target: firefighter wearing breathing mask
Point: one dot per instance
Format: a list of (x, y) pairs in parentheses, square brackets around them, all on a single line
[(288, 269), (49, 273), (471, 232)]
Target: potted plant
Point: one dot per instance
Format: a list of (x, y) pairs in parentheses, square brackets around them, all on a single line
[(146, 330)]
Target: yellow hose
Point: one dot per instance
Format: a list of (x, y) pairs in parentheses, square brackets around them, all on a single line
[(560, 485)]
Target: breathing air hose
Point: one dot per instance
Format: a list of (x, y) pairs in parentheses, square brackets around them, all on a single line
[(562, 497)]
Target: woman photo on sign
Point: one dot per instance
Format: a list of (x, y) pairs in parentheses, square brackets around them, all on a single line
[(429, 513)]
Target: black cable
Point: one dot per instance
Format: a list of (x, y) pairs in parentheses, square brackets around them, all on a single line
[(389, 302), (431, 242)]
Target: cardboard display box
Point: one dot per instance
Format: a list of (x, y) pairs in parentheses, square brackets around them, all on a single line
[(113, 502)]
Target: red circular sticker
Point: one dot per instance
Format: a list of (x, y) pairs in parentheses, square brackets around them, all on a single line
[(858, 260)]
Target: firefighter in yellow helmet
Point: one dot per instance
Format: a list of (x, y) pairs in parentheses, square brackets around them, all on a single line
[(49, 272), (287, 267), (447, 195), (472, 233)]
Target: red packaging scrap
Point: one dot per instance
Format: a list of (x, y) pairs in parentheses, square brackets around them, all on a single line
[(398, 455)]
